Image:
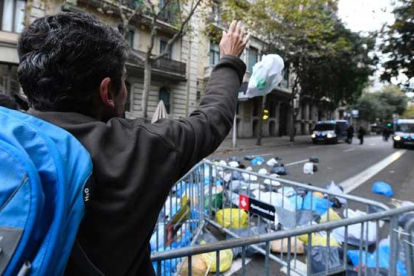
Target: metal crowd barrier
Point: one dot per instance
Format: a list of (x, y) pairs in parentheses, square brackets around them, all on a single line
[(229, 199)]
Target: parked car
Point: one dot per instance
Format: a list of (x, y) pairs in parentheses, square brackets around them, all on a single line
[(330, 131)]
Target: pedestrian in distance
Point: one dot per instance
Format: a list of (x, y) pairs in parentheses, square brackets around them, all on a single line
[(73, 72), (386, 134), (349, 134), (361, 134)]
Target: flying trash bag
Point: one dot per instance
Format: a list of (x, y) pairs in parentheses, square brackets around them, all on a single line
[(267, 74), (382, 188)]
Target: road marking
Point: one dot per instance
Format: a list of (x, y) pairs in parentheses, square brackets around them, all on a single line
[(297, 162), (314, 147), (357, 180), (372, 144), (236, 266), (348, 150)]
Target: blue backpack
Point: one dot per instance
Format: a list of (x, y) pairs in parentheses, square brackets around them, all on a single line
[(43, 175)]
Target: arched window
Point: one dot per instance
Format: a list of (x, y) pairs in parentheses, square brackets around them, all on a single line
[(165, 97)]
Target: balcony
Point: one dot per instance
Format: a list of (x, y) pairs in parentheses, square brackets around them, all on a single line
[(163, 67)]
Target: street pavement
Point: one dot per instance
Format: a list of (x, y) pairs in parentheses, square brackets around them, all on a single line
[(354, 166)]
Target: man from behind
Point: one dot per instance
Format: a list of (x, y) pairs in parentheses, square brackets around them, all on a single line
[(72, 70)]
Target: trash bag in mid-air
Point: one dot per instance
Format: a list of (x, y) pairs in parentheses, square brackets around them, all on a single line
[(267, 74)]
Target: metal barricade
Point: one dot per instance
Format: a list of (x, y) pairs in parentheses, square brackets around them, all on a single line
[(230, 200)]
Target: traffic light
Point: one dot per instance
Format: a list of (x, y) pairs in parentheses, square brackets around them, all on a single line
[(265, 114), (389, 125)]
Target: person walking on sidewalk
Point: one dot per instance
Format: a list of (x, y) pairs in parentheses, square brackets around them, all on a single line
[(361, 134), (349, 134), (73, 71)]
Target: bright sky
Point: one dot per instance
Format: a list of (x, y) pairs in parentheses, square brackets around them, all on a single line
[(366, 16)]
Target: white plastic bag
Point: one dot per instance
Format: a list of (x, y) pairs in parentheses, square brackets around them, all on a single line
[(267, 74), (369, 235), (233, 164), (271, 162), (274, 199), (333, 188), (262, 171), (308, 168)]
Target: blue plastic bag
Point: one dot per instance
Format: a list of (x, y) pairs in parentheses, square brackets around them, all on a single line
[(382, 188), (257, 161), (383, 260), (319, 205)]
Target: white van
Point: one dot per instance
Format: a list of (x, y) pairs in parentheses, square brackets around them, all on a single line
[(403, 133)]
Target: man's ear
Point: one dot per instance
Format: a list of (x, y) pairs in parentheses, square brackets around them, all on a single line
[(106, 92)]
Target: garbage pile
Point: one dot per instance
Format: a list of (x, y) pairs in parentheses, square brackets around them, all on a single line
[(245, 204)]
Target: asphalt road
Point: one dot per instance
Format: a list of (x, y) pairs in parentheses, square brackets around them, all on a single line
[(355, 166)]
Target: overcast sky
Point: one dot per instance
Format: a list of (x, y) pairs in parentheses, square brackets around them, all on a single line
[(366, 16)]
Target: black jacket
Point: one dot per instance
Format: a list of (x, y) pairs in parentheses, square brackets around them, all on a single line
[(135, 166)]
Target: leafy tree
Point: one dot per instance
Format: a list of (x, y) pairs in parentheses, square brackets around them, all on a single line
[(409, 113), (398, 42), (326, 60), (382, 105)]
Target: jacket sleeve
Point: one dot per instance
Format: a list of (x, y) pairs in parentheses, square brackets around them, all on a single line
[(205, 129)]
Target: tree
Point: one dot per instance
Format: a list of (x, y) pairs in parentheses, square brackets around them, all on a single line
[(409, 113), (176, 12), (398, 42), (326, 60), (382, 105)]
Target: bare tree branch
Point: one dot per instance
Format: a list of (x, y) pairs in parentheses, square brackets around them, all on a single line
[(180, 31), (166, 3)]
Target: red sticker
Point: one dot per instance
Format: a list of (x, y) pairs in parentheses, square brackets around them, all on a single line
[(244, 202)]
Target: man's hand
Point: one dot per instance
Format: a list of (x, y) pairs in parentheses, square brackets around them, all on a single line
[(234, 41)]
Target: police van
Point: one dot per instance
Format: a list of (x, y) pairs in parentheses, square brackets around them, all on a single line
[(330, 131), (403, 133)]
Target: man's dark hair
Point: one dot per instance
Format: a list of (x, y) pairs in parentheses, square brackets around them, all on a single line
[(8, 102), (65, 57)]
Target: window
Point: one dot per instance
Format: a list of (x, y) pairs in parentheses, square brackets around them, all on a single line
[(253, 58), (131, 37), (163, 44), (214, 53), (12, 15), (165, 97), (129, 100)]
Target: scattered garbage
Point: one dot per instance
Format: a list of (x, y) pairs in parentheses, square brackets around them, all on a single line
[(281, 246), (273, 183), (226, 259), (331, 215), (318, 194), (319, 205), (233, 158), (287, 191), (290, 220), (271, 162), (248, 157), (382, 188), (278, 169), (249, 177), (308, 168), (324, 258), (222, 163), (234, 164), (244, 233), (314, 159), (266, 76), (258, 161), (232, 218), (274, 199), (354, 231), (198, 267), (262, 171), (370, 260), (333, 188), (319, 239)]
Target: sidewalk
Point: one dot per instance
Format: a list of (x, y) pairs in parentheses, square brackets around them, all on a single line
[(267, 142)]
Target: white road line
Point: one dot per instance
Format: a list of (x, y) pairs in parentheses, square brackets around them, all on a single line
[(297, 162), (348, 150), (236, 266), (357, 180)]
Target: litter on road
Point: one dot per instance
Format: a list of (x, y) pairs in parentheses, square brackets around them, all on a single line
[(382, 188)]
